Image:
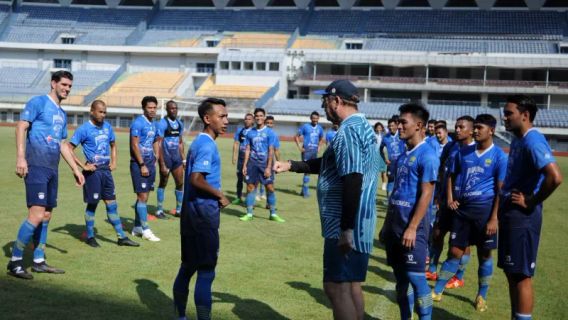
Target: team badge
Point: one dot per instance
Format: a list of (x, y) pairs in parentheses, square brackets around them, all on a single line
[(487, 162), (143, 185), (95, 195), (41, 195)]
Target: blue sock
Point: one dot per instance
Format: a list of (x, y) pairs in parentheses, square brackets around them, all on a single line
[(434, 258), (25, 234), (484, 274), (250, 201), (402, 294), (271, 200), (521, 316), (39, 251), (160, 195), (90, 219), (179, 200), (181, 289), (422, 293), (261, 190), (463, 263), (202, 295), (448, 270), (410, 298), (305, 185), (142, 215), (114, 219)]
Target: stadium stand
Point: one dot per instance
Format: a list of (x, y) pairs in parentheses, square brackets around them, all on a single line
[(171, 38), (255, 40), (211, 89), (462, 46), (316, 43)]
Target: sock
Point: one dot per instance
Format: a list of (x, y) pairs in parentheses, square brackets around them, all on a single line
[(160, 195), (434, 258), (202, 295), (402, 294), (39, 251), (90, 219), (306, 182), (422, 293), (448, 270), (181, 290), (142, 214), (484, 274), (250, 201), (114, 219), (271, 200), (239, 185), (463, 263), (25, 234), (390, 187), (261, 190), (179, 200), (410, 298), (522, 316)]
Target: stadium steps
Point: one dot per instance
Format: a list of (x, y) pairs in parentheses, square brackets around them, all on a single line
[(254, 40), (315, 43), (210, 89)]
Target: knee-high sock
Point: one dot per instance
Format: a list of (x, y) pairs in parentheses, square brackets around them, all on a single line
[(484, 274), (448, 270), (422, 293), (250, 201), (402, 291), (463, 263), (522, 316), (179, 199), (202, 295), (305, 184), (25, 234), (39, 251), (90, 219), (141, 215), (240, 179), (181, 289), (271, 200), (410, 297), (114, 218), (435, 253), (160, 194)]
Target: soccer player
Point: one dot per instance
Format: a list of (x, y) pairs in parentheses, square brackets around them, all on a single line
[(200, 215), (476, 178), (532, 176), (257, 166), (40, 135), (99, 148), (394, 148), (331, 132), (442, 136), (431, 130), (172, 156), (239, 149), (406, 225), (312, 136), (270, 123), (347, 188), (144, 147), (380, 133)]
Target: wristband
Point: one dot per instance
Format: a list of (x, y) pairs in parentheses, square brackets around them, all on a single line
[(141, 164)]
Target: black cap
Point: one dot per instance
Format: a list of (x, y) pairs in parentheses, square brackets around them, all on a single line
[(341, 88)]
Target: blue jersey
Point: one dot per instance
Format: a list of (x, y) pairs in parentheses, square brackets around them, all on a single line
[(477, 174), (146, 131), (170, 131), (48, 126), (260, 141), (527, 157), (203, 156), (435, 144), (395, 146), (276, 140), (414, 167), (353, 150), (312, 136), (240, 137), (329, 135), (95, 141)]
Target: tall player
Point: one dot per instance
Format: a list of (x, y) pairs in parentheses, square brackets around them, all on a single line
[(311, 135), (476, 178), (98, 141), (406, 225), (532, 176), (40, 134), (172, 156), (239, 149), (202, 203), (144, 147)]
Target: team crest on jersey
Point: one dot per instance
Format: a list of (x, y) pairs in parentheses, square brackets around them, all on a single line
[(487, 162), (41, 195), (411, 160)]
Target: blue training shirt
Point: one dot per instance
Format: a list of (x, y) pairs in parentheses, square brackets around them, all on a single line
[(260, 141), (413, 167), (170, 142), (395, 146), (435, 144), (203, 156), (95, 141), (48, 127), (146, 131), (353, 150), (329, 135), (240, 136), (312, 135)]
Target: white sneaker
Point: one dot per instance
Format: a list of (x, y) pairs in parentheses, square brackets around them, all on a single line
[(263, 197), (150, 236), (137, 231), (257, 198), (384, 187)]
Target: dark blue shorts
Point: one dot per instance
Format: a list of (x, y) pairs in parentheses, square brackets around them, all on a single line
[(139, 183), (468, 230), (173, 161), (444, 219), (309, 154), (99, 185), (240, 161), (519, 235), (199, 251), (41, 187), (411, 260), (338, 267), (255, 174)]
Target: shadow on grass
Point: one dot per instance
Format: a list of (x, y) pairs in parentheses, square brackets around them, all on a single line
[(389, 294), (316, 293), (7, 248), (248, 308), (152, 297), (383, 273), (438, 313), (232, 211), (76, 231), (453, 294)]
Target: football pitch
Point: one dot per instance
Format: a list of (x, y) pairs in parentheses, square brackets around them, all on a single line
[(266, 270)]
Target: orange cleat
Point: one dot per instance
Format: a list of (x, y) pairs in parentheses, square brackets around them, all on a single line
[(431, 276), (455, 283)]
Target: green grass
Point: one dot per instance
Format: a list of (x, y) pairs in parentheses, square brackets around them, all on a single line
[(266, 270)]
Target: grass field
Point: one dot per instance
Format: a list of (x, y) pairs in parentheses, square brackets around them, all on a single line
[(266, 270)]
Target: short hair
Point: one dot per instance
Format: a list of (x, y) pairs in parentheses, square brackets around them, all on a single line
[(486, 119), (269, 118), (171, 101), (314, 113), (57, 75), (466, 118), (148, 99), (417, 109), (524, 103), (432, 121), (249, 114), (95, 103), (205, 106), (443, 122), (440, 126), (378, 124), (259, 110), (394, 119)]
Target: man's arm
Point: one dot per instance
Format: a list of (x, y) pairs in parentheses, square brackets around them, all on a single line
[(235, 151), (268, 169), (351, 197), (383, 154), (21, 163), (182, 150), (113, 155), (69, 157), (298, 143), (493, 222), (552, 179), (197, 180), (311, 166), (277, 154), (85, 166), (246, 160), (409, 236), (135, 150), (158, 144)]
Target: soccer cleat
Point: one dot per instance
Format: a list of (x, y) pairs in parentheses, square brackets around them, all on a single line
[(263, 196), (275, 217), (137, 231), (127, 242), (384, 187), (246, 217), (267, 206), (431, 276), (237, 201), (92, 242), (436, 296), (43, 267), (257, 198), (149, 235), (480, 304), (161, 215), (455, 283), (16, 269), (177, 214)]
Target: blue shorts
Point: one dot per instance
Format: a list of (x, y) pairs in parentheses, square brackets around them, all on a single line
[(444, 219), (99, 185), (200, 251), (309, 154), (519, 235), (390, 173), (255, 174), (173, 162), (139, 183), (338, 267), (471, 231), (411, 260), (41, 187)]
